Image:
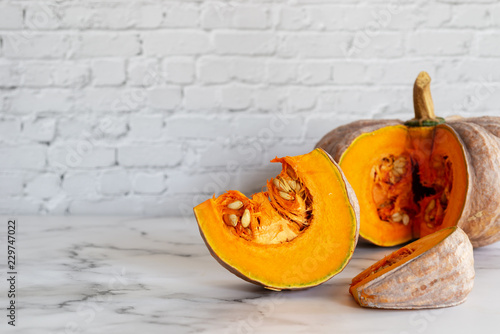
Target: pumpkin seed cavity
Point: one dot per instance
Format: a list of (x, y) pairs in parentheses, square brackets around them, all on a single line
[(405, 192), (290, 201)]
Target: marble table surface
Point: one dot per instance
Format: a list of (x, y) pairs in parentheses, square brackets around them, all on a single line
[(155, 275)]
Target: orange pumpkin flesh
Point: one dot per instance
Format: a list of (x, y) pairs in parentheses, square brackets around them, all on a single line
[(435, 271), (419, 172), (301, 232)]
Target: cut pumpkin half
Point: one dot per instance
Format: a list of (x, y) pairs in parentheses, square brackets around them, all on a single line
[(298, 233)]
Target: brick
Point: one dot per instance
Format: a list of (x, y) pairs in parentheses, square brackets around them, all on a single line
[(23, 157), (217, 15), (269, 99), (115, 182), (79, 17), (201, 98), (10, 129), (198, 126), (124, 206), (437, 15), (302, 98), (266, 128), (467, 71), (294, 18), (348, 73), (40, 129), (115, 17), (53, 74), (12, 183), (93, 44), (245, 43), (111, 99), (44, 186), (181, 15), (36, 74), (41, 16), (214, 70), (146, 126), (149, 16), (236, 155), (164, 98), (175, 43), (280, 71), (318, 45), (70, 75), (236, 98), (383, 45), (487, 44), (110, 126), (149, 183), (152, 156), (435, 43), (28, 44), (80, 184), (179, 70), (143, 72), (81, 154), (51, 100), (11, 16), (108, 72), (250, 17), (471, 16), (75, 127), (9, 76), (314, 73), (249, 70)]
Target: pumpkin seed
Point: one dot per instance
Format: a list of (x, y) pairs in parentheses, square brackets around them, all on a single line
[(292, 184), (235, 205), (406, 219), (277, 183), (245, 219), (400, 162), (430, 206), (396, 217), (284, 185), (233, 219), (286, 196), (398, 170)]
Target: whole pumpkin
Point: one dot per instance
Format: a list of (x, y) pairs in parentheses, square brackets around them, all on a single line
[(416, 177)]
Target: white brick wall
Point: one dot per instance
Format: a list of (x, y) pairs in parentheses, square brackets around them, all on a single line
[(148, 107)]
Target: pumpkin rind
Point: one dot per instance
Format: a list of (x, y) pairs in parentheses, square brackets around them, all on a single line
[(442, 276), (480, 140), (322, 250)]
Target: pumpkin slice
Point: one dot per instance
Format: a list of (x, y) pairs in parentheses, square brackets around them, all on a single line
[(298, 233), (417, 177), (434, 271)]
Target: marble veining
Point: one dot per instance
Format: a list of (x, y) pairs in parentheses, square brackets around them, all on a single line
[(155, 275)]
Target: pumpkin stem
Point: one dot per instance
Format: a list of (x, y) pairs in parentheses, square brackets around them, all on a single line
[(422, 103), (422, 99)]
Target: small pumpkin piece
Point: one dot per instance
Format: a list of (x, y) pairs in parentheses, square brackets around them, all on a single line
[(432, 272), (298, 233)]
